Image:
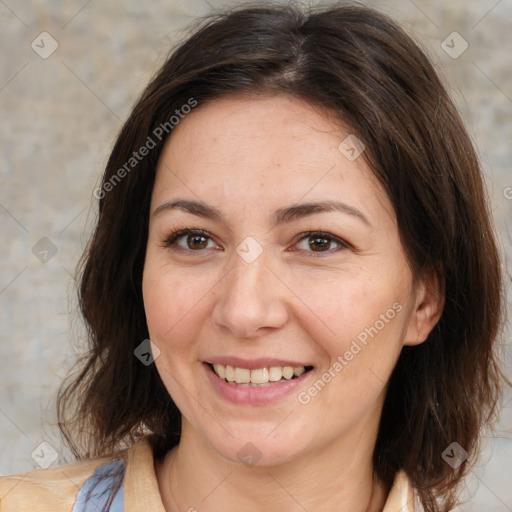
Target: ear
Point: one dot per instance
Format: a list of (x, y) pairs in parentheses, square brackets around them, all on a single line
[(428, 308)]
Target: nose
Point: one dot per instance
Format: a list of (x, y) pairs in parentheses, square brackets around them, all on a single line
[(251, 299)]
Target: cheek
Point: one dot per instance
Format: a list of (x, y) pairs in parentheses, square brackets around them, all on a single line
[(358, 323), (172, 302), (346, 307)]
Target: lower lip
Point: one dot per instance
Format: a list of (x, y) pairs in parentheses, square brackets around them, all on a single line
[(254, 395)]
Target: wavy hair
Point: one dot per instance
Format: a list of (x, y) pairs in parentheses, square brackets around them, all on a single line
[(361, 66)]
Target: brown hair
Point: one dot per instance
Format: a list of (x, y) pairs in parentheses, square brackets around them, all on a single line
[(361, 66)]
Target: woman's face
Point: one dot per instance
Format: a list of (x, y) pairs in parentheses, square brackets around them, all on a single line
[(255, 289)]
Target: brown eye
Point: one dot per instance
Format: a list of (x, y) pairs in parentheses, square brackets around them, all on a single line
[(191, 240), (196, 241), (320, 242)]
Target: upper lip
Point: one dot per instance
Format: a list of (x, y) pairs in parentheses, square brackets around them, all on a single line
[(251, 364)]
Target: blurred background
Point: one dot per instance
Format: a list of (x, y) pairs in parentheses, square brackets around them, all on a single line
[(69, 75)]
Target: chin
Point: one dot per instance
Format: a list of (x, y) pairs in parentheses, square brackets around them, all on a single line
[(255, 448)]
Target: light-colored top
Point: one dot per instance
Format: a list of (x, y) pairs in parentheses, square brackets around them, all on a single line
[(81, 486)]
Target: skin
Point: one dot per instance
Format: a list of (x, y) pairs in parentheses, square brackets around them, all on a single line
[(248, 157)]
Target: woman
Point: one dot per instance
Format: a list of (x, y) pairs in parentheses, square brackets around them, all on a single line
[(293, 291)]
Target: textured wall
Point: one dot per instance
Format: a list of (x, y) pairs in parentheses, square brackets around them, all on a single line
[(60, 114)]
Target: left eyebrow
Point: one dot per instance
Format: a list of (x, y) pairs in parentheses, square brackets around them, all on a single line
[(300, 211), (281, 216)]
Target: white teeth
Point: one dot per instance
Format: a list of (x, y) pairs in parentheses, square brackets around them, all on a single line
[(220, 370), (230, 373), (275, 373), (242, 375), (258, 375), (287, 372)]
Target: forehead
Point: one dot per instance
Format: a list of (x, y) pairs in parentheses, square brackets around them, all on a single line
[(255, 130), (266, 149)]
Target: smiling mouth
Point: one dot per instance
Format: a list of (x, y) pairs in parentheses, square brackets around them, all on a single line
[(257, 377)]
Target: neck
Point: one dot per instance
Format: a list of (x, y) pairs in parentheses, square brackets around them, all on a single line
[(339, 478)]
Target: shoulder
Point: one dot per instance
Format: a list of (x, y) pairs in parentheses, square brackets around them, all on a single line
[(402, 496), (126, 482), (54, 489)]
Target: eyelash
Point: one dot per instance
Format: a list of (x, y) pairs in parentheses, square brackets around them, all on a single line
[(171, 240)]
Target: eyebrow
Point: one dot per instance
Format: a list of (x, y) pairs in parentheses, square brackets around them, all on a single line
[(281, 216)]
